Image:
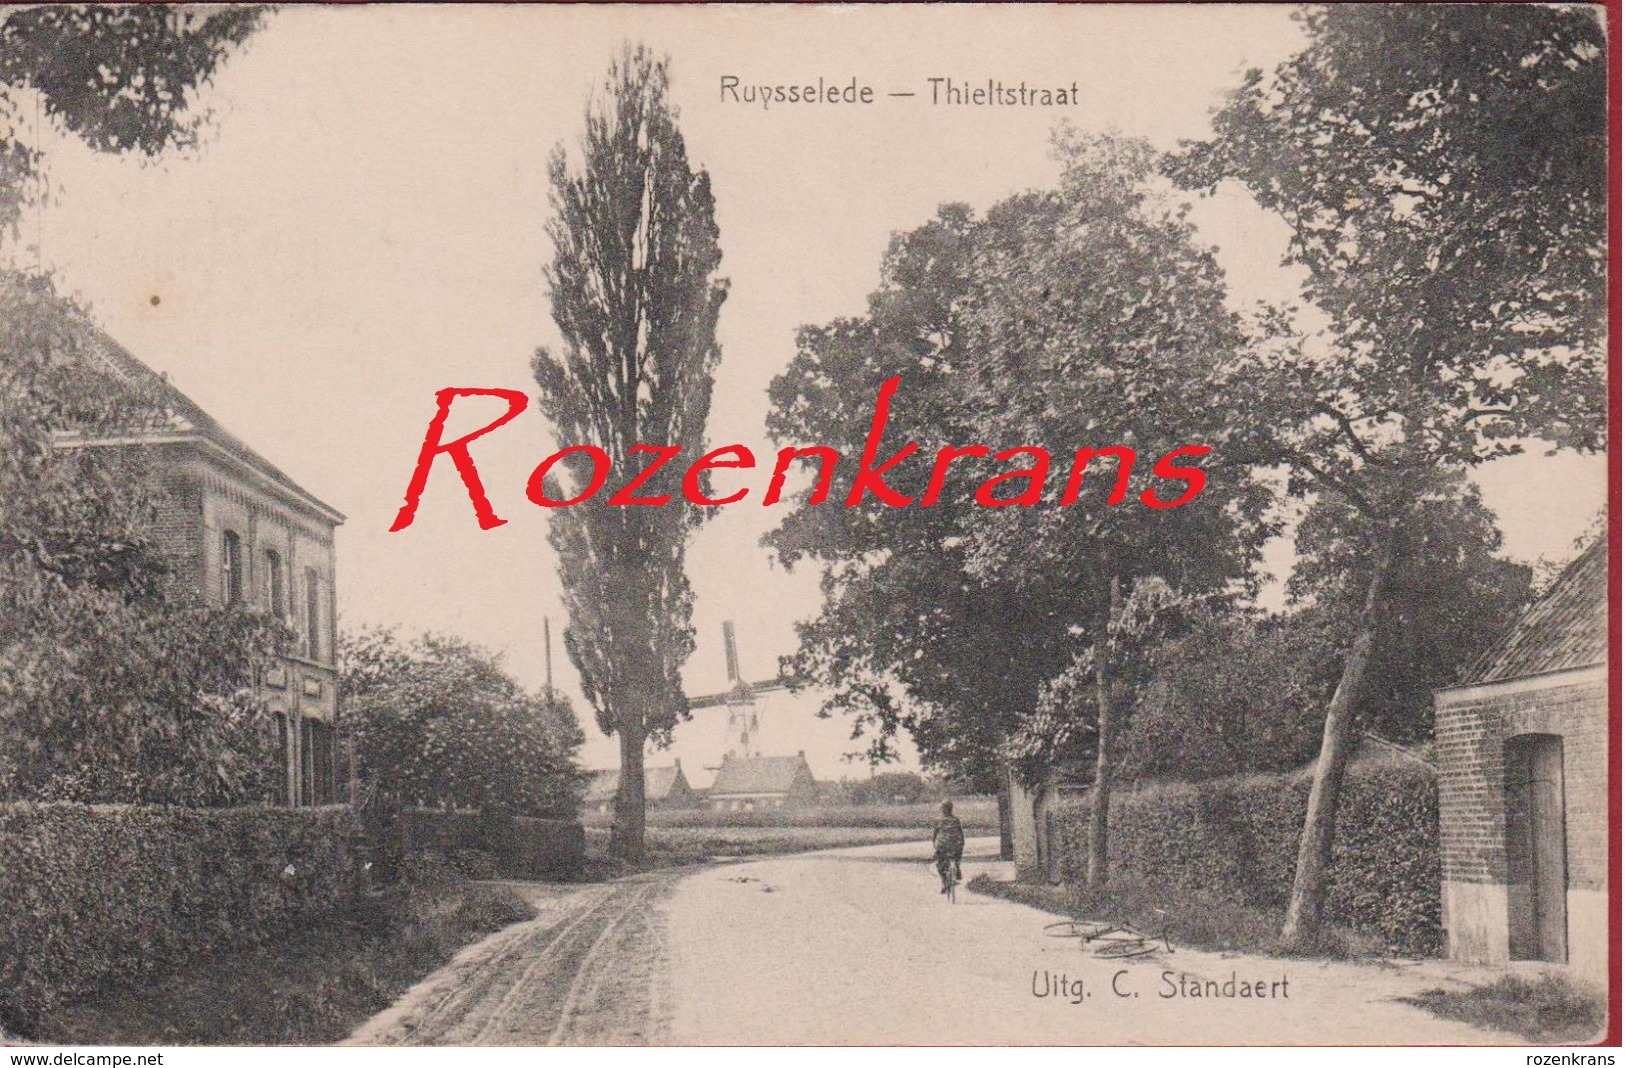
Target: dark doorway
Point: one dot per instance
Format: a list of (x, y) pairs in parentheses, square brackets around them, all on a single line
[(1537, 856)]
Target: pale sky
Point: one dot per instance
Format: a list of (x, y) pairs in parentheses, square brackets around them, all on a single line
[(363, 226)]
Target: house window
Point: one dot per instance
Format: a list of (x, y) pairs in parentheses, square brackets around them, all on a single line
[(283, 741), (231, 567), (317, 780), (276, 601), (313, 614)]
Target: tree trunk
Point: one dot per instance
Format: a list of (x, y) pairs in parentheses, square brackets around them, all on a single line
[(1303, 916), (626, 837), (1007, 839), (1106, 741)]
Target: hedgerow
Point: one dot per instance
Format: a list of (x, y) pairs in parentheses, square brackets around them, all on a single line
[(95, 894), (1238, 839), (980, 815)]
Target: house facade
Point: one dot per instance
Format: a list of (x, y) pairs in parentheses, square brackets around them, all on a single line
[(1522, 750), (240, 531), (744, 784)]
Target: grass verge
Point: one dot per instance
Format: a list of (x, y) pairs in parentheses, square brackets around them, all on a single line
[(670, 847), (979, 815), (1549, 1010), (1196, 920), (313, 987)]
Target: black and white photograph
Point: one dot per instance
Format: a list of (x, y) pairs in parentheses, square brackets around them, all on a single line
[(807, 525)]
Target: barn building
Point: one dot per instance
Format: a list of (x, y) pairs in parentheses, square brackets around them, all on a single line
[(747, 783), (242, 532), (1522, 751), (663, 787)]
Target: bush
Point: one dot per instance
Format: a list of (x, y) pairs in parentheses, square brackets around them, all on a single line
[(1237, 839), (100, 892), (438, 722), (892, 788)]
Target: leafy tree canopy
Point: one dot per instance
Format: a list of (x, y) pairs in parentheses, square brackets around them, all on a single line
[(1450, 596), (121, 78), (1443, 170), (1078, 317)]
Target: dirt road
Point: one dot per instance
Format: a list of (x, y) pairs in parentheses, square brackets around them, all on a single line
[(588, 970), (855, 946)]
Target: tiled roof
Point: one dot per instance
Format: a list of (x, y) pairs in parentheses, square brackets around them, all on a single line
[(186, 416), (657, 783), (759, 775), (1567, 628)]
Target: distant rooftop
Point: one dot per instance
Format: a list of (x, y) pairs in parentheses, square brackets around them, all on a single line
[(758, 775), (657, 783), (1565, 629)]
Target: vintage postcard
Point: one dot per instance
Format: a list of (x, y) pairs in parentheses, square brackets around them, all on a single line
[(688, 524)]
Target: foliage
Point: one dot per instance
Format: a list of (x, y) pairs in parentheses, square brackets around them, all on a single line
[(105, 701), (120, 78), (1450, 596), (1237, 839), (116, 684), (1065, 726), (892, 788), (438, 722), (636, 298), (1443, 173), (1077, 317), (104, 893), (1234, 695), (312, 987)]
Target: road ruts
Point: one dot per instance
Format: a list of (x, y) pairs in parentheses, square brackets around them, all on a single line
[(585, 972)]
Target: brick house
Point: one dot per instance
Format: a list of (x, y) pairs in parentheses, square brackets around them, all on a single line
[(745, 783), (1522, 751), (663, 787), (242, 532)]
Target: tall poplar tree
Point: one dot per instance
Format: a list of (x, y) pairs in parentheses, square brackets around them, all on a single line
[(636, 297)]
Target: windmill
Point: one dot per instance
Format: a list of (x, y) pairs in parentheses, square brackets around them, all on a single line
[(740, 699)]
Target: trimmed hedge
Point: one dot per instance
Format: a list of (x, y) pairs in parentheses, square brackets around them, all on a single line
[(480, 845), (1238, 839), (91, 894)]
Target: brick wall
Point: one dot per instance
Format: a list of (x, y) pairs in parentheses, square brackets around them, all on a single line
[(178, 527), (1472, 726)]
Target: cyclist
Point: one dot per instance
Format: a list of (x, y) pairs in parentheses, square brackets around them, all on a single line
[(948, 843)]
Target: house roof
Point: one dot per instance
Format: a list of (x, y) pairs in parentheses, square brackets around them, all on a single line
[(1567, 628), (759, 775), (188, 421), (658, 783)]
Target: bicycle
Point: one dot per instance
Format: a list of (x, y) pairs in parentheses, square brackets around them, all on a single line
[(1109, 941), (948, 872)]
